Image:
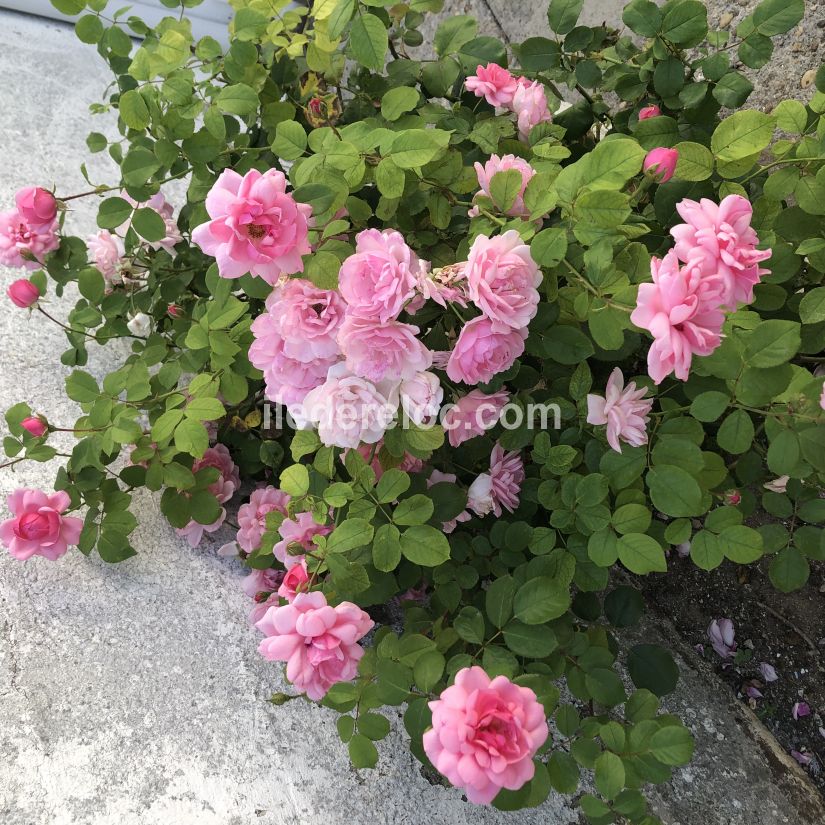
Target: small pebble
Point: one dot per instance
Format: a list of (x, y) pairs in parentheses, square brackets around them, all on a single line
[(724, 20), (808, 78)]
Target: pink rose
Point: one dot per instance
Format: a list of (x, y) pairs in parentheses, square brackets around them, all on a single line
[(380, 278), (448, 284), (297, 534), (501, 164), (106, 252), (480, 495), (721, 237), (822, 398), (261, 581), (483, 350), (317, 641), (473, 414), (256, 227), (35, 425), (660, 163), (252, 515), (37, 206), (500, 487), (421, 397), (624, 410), (23, 293), (348, 410), (294, 581), (649, 111), (502, 278), (494, 83), (24, 245), (38, 526), (381, 350), (485, 734), (530, 105)]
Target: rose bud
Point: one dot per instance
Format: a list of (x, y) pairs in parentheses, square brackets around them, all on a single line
[(660, 164), (649, 111), (35, 425), (173, 311), (36, 205), (23, 293), (732, 497)]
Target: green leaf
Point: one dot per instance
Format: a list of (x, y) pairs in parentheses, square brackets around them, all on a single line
[(392, 484), (695, 162), (772, 17), (290, 140), (149, 224), (368, 41), (772, 343), (238, 99), (91, 284), (642, 17), (397, 101), (532, 640), (549, 246), (741, 135), (191, 437), (133, 109), (138, 166), (295, 480), (499, 600), (631, 518), (424, 545), (708, 406), (610, 776), (414, 510), (81, 387), (541, 599), (641, 554), (69, 7), (350, 534), (672, 744), (563, 772), (469, 624), (674, 491), (454, 32), (362, 752), (789, 570), (428, 669), (417, 147), (564, 14), (652, 667), (685, 22), (113, 212), (504, 188), (812, 306), (741, 544), (736, 433), (602, 208), (386, 548), (706, 550)]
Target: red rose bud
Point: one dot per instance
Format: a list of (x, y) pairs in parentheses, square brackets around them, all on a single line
[(173, 311), (35, 425), (660, 163), (733, 497), (36, 205), (23, 293), (649, 111)]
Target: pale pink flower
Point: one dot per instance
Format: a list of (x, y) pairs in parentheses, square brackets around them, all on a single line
[(721, 237), (507, 475), (37, 206), (23, 293), (530, 105), (380, 350), (660, 163), (24, 245), (262, 603), (261, 581), (317, 641), (681, 309), (502, 164), (480, 495), (777, 485), (38, 526), (256, 226), (437, 477), (494, 83), (800, 710), (502, 278), (297, 533), (193, 531), (822, 398), (768, 672), (485, 734), (448, 284), (380, 277), (483, 350), (624, 410), (421, 397), (252, 515), (106, 253), (294, 581), (649, 111), (473, 414), (721, 634), (348, 410)]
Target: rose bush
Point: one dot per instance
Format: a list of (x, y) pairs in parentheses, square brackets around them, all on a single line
[(413, 252)]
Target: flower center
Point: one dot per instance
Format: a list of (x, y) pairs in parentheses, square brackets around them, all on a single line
[(256, 231), (33, 526)]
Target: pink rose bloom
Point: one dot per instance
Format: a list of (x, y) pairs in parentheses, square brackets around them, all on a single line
[(530, 106), (19, 238), (252, 515), (288, 380), (494, 83), (660, 163), (261, 581), (37, 206), (445, 285), (294, 581), (34, 425), (681, 309), (480, 495), (317, 641), (485, 734), (295, 533), (649, 111), (473, 414), (502, 278), (23, 293), (381, 350), (502, 164), (437, 477), (500, 487), (257, 227), (348, 410), (106, 252), (193, 531), (483, 350), (38, 526), (421, 397), (822, 398), (722, 237), (409, 463), (165, 209), (624, 410), (380, 278)]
